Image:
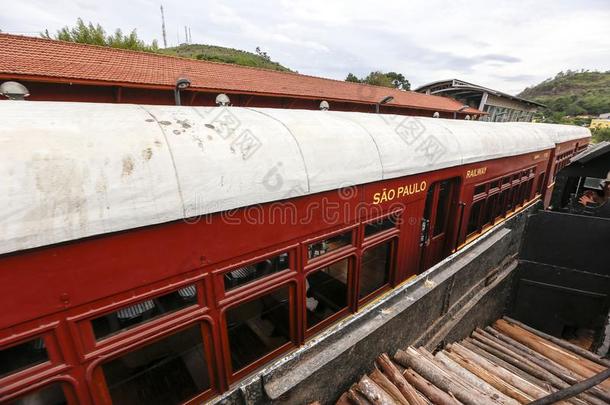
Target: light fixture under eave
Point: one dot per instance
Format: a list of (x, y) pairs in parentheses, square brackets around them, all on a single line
[(222, 100), (181, 84), (384, 100), (14, 91)]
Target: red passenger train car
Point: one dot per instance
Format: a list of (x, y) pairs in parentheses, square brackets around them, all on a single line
[(155, 254)]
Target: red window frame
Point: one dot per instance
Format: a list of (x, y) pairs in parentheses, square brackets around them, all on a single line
[(66, 382), (351, 258), (22, 379), (218, 275), (235, 375), (89, 347), (95, 376), (372, 241)]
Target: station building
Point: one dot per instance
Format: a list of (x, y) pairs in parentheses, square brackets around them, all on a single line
[(64, 71), (499, 106)]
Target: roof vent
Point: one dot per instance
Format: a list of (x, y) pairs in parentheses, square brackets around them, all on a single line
[(222, 100), (14, 91), (324, 106)]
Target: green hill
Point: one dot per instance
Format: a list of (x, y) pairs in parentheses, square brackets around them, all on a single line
[(213, 53), (573, 93)]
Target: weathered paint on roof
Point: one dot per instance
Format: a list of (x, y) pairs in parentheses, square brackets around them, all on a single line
[(72, 170)]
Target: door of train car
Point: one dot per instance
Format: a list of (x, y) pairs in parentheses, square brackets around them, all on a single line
[(437, 224)]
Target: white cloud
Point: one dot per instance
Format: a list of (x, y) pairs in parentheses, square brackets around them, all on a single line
[(506, 45)]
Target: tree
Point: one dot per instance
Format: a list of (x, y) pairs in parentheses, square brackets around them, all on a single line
[(379, 78), (352, 78), (96, 35), (262, 53)]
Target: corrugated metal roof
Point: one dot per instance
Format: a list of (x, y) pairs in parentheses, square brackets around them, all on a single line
[(38, 58)]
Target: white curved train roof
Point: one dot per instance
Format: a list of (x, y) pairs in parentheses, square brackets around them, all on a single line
[(72, 170)]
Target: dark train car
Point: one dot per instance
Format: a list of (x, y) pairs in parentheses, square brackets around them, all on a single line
[(154, 254)]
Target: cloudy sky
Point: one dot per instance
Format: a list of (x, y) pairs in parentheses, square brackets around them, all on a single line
[(506, 45)]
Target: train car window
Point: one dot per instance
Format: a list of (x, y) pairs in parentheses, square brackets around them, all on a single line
[(143, 311), (490, 207), (506, 180), (320, 248), (380, 225), (326, 291), (52, 394), (247, 274), (480, 189), (495, 185), (375, 268), (442, 207), (257, 327), (22, 355), (168, 371), (475, 213), (509, 199)]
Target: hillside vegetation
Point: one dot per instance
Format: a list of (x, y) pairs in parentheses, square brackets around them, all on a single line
[(214, 53), (572, 97), (95, 34), (573, 93)]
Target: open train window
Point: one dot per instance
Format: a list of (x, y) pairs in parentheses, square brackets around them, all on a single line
[(375, 269), (168, 371), (246, 274), (327, 291), (52, 394), (322, 247), (22, 355), (143, 311), (380, 225), (257, 327)]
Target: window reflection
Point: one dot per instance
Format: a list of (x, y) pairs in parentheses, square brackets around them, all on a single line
[(257, 327), (247, 274), (326, 292), (169, 371), (143, 311), (50, 395), (380, 225), (328, 245), (21, 356), (375, 269)]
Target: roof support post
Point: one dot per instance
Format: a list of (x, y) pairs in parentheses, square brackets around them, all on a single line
[(483, 101)]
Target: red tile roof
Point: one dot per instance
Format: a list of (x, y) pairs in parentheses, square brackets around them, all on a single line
[(38, 59)]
